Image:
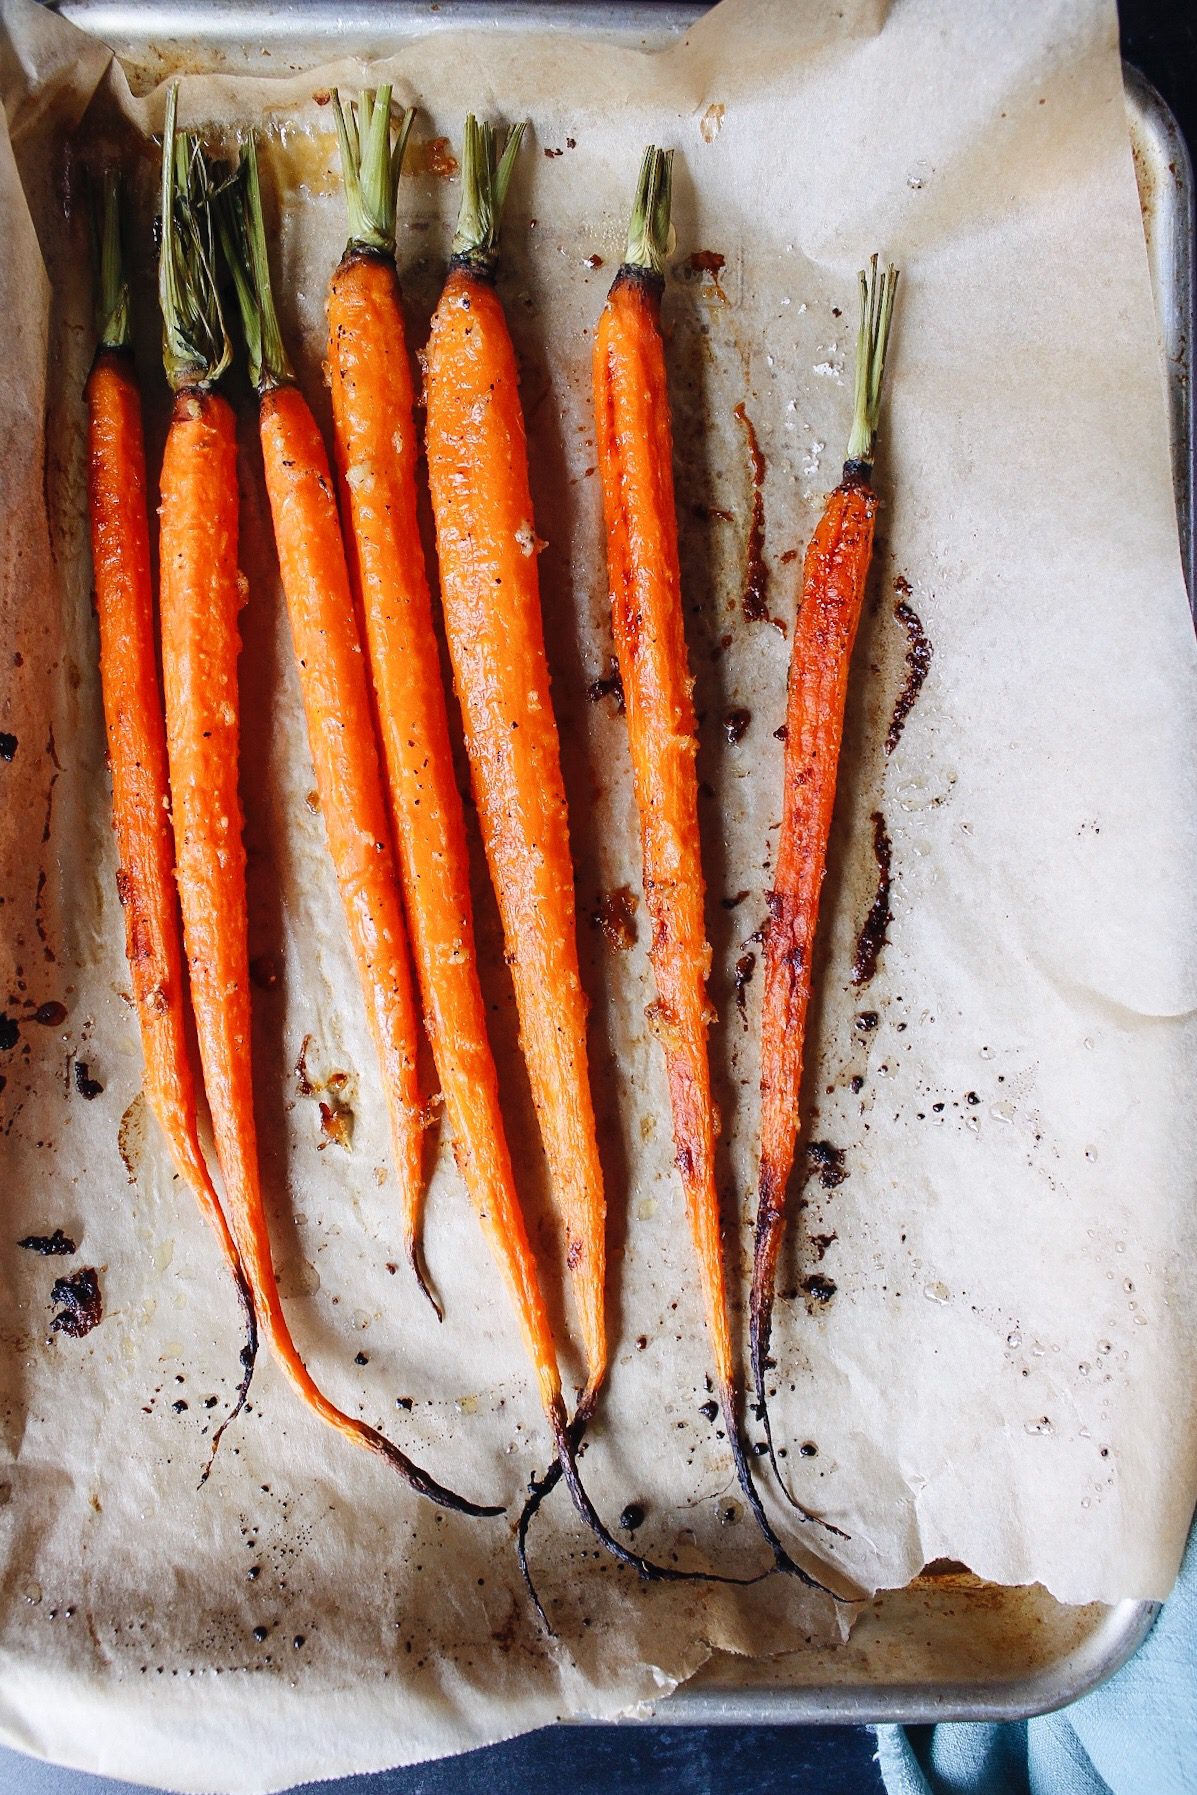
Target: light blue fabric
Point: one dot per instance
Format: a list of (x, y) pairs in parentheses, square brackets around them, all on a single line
[(1136, 1735)]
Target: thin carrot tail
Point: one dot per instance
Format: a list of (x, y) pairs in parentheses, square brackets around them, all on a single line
[(567, 1438), (249, 1356), (414, 1249), (351, 1426), (767, 1237), (729, 1404), (423, 1483)]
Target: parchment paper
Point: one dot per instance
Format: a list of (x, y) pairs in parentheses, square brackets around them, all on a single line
[(994, 1363)]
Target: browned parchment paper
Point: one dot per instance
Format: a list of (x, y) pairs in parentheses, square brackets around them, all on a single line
[(994, 1365)]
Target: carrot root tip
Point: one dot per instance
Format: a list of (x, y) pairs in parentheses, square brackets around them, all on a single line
[(415, 1258)]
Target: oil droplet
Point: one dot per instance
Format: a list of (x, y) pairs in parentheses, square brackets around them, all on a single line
[(646, 1208), (1091, 1154), (467, 1405), (937, 1292), (1014, 1341), (1041, 1426), (711, 122)]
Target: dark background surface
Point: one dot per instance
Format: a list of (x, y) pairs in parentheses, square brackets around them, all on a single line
[(1160, 38)]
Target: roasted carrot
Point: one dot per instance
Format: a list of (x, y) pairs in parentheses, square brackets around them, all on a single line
[(478, 471), (336, 697), (487, 549), (145, 881), (377, 453), (833, 582), (635, 458), (201, 595)]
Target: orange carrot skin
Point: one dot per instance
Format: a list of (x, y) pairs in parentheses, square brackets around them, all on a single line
[(201, 595), (137, 755), (478, 474), (336, 697), (635, 455), (833, 582), (378, 452)]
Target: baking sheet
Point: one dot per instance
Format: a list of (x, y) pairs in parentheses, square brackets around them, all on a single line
[(994, 809)]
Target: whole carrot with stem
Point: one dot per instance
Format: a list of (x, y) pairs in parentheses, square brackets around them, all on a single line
[(336, 696), (834, 573), (201, 594), (136, 731), (486, 546), (377, 454), (635, 458), (487, 549)]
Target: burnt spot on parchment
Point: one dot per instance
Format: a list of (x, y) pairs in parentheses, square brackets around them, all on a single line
[(80, 1304), (874, 930), (50, 1246)]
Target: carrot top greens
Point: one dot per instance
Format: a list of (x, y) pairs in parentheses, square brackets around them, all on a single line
[(872, 340), (371, 161), (195, 343), (485, 177), (112, 287), (650, 236), (243, 238)]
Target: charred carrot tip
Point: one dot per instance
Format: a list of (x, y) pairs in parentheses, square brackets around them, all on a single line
[(249, 1356), (415, 1258), (422, 1483), (781, 1558), (568, 1440)]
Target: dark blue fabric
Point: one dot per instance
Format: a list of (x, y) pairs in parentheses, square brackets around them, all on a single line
[(582, 1760)]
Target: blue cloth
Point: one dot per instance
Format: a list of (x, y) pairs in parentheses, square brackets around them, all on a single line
[(1136, 1735)]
